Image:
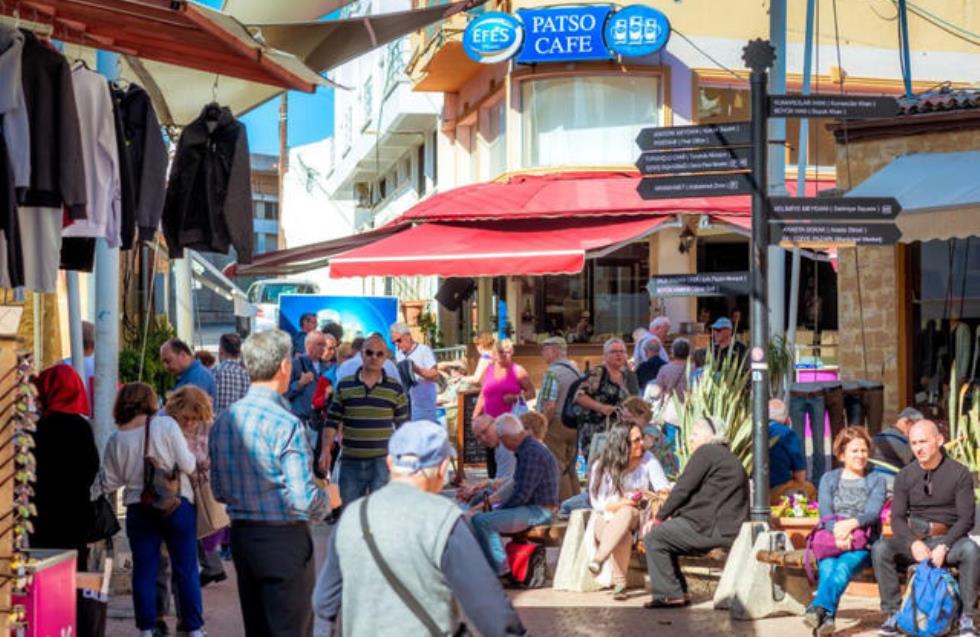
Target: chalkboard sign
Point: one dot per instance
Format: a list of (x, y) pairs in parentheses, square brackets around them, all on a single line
[(468, 447)]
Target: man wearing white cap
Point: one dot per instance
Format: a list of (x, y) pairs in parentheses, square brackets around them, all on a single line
[(403, 557)]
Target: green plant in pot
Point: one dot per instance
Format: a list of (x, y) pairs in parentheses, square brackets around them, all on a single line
[(964, 422), (139, 363)]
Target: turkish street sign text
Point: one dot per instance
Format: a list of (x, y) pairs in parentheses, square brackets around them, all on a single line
[(836, 106), (704, 284), (716, 185), (694, 161), (829, 234), (706, 136), (846, 209)]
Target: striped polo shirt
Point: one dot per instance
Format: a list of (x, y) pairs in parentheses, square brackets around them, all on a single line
[(368, 415)]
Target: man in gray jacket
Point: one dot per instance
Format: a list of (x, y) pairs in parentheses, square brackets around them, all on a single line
[(401, 558)]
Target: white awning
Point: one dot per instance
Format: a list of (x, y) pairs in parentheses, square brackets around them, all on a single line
[(939, 194)]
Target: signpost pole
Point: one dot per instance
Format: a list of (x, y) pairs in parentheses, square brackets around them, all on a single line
[(759, 56)]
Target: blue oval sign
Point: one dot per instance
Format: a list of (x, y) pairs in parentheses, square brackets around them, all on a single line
[(493, 37), (637, 30)]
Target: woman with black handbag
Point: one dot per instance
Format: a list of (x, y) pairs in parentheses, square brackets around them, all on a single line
[(149, 456), (67, 464)]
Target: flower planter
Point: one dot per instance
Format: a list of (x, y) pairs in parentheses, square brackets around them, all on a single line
[(796, 529)]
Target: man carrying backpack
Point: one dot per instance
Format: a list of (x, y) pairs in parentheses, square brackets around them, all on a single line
[(932, 513), (561, 441)]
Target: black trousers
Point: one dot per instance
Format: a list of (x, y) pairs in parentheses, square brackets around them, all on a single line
[(888, 555), (667, 542), (276, 575)]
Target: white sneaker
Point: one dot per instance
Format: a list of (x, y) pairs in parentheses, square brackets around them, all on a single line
[(146, 633)]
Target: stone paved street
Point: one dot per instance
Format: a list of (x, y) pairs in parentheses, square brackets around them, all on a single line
[(548, 613)]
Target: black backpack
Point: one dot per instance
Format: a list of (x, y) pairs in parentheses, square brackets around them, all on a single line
[(571, 414)]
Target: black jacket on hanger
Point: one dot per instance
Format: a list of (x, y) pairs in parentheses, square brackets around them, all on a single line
[(142, 160), (209, 196), (57, 165)]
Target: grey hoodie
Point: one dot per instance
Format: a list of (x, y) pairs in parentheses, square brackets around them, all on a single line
[(16, 130)]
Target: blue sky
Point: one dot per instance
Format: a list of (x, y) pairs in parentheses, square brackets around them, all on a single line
[(310, 116)]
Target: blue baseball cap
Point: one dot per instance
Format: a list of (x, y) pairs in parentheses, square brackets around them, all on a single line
[(723, 323), (419, 444)]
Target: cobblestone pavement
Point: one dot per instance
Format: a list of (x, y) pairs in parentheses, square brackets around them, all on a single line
[(548, 613)]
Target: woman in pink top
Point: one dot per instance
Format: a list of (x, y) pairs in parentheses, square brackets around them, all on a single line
[(505, 383)]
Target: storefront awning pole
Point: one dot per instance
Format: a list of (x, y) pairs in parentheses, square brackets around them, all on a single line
[(758, 57), (106, 310), (75, 324)]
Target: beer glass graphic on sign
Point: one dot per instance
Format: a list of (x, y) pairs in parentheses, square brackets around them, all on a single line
[(619, 31), (651, 31), (636, 29)]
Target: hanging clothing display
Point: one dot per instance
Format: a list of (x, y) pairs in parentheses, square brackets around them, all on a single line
[(209, 195), (13, 107), (100, 154), (40, 240), (57, 166), (143, 162), (15, 167)]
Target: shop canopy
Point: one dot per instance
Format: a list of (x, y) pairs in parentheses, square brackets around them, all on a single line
[(525, 247), (939, 194), (571, 197)]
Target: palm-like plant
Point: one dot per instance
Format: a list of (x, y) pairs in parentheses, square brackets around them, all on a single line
[(964, 425), (723, 392)]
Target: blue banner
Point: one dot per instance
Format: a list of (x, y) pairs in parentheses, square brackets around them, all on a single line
[(358, 315), (561, 34)]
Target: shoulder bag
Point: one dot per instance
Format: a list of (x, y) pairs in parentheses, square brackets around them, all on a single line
[(211, 514), (396, 584), (161, 488)]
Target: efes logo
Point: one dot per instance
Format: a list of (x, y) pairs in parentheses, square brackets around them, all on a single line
[(636, 31), (493, 37)]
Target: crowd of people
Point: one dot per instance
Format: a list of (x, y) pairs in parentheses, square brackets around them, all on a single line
[(238, 460)]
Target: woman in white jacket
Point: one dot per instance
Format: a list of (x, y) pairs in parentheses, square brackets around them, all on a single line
[(623, 472), (135, 415)]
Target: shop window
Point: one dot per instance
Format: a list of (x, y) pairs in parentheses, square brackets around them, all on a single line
[(945, 279), (420, 170), (586, 121), (723, 256), (717, 105), (493, 141)]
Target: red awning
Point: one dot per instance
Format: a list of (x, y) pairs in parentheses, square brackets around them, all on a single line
[(493, 249)]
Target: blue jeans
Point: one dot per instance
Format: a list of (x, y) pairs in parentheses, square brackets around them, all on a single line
[(361, 476), (580, 501), (146, 530), (835, 574), (488, 526), (799, 408)]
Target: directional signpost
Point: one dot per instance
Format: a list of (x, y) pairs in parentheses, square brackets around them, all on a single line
[(705, 284), (694, 161), (835, 106), (706, 136), (839, 234), (719, 184), (833, 209)]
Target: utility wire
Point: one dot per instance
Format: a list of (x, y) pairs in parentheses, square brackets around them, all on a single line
[(707, 55)]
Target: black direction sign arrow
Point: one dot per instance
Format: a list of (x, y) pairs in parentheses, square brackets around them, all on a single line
[(706, 136), (694, 161), (836, 106), (868, 234), (705, 284), (696, 186), (847, 209)]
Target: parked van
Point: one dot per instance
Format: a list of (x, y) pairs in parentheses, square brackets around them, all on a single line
[(264, 295)]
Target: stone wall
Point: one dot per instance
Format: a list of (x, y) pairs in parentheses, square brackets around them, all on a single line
[(868, 307)]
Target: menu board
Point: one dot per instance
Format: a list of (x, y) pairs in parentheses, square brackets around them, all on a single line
[(468, 447)]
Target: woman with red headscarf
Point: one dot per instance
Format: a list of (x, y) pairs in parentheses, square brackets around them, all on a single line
[(67, 463)]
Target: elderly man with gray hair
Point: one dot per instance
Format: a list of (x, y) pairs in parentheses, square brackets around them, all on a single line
[(891, 451), (533, 500), (262, 469), (418, 372), (705, 510)]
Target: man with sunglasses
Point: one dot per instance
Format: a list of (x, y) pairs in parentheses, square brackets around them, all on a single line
[(417, 366), (367, 407), (932, 515)]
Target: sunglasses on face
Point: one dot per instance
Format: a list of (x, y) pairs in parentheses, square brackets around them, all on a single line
[(927, 487), (616, 351), (370, 353), (633, 441)]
